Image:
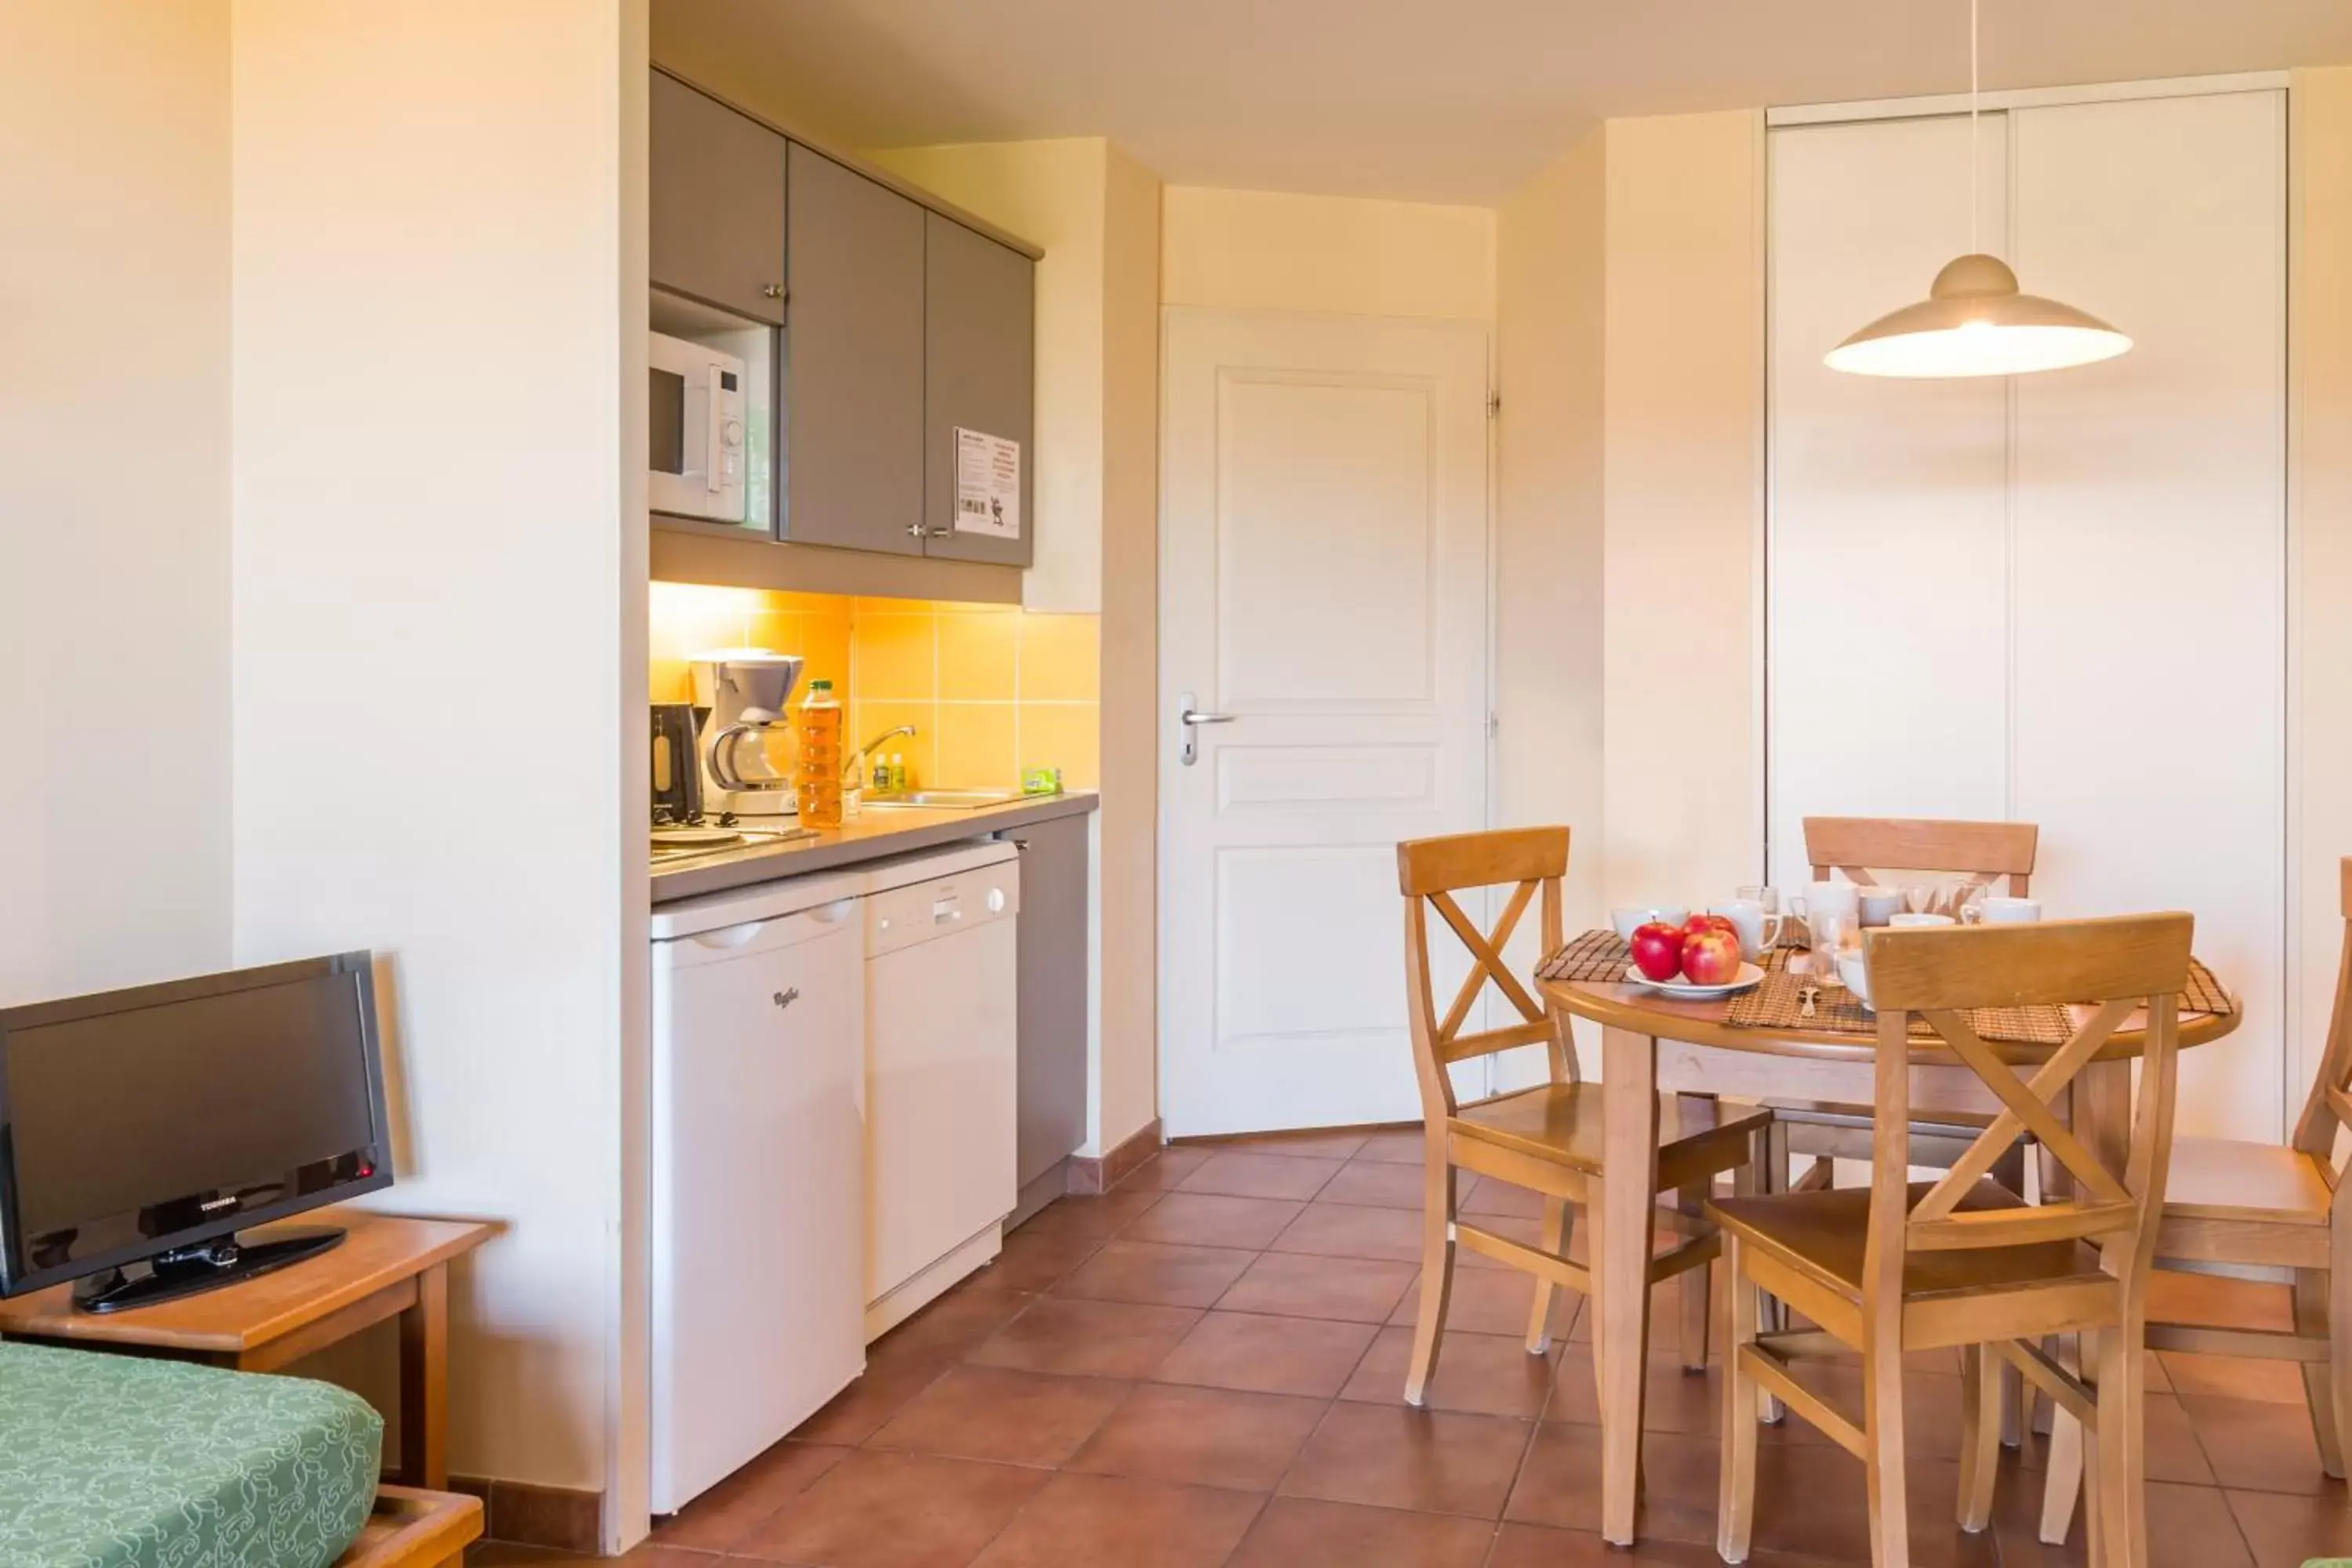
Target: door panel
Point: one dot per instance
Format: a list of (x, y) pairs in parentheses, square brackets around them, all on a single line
[(853, 413), (1323, 585), (2151, 543), (715, 219), (980, 373)]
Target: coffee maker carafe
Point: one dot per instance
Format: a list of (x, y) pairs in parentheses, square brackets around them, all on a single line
[(745, 691)]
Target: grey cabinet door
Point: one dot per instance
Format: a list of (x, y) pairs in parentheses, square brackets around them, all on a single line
[(980, 373), (853, 362), (1052, 1005), (716, 202)]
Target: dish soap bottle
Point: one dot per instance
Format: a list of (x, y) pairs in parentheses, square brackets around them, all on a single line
[(817, 770)]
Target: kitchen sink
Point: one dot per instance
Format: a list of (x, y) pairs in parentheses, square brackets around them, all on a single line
[(945, 799)]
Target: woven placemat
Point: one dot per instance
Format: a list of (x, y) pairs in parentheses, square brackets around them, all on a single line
[(2203, 994), (1778, 1003), (1595, 955)]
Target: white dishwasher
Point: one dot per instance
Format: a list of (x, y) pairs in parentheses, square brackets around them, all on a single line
[(942, 1062), (757, 1171)]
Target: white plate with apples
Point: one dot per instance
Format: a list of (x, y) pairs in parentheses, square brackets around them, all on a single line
[(1693, 962)]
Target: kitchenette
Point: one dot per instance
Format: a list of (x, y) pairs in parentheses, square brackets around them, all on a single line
[(872, 772)]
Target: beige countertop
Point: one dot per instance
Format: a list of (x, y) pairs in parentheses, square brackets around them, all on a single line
[(872, 835)]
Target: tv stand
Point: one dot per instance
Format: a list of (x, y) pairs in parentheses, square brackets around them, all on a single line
[(208, 1266)]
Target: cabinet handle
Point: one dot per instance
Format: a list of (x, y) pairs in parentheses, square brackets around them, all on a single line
[(916, 530), (1022, 845), (941, 533), (773, 291)]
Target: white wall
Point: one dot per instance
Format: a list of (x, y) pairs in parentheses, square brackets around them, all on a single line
[(114, 456), (1684, 464), (1266, 251), (439, 621)]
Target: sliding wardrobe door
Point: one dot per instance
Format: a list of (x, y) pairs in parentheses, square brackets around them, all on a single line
[(1888, 556), (2150, 608)]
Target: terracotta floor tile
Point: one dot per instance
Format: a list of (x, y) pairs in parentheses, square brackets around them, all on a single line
[(857, 1412), (996, 1413), (1357, 1290), (1092, 1521), (1204, 1436), (1511, 1228), (1245, 1174), (1394, 1146), (2188, 1527), (1308, 1145), (1305, 1532), (1327, 1229), (1267, 1355), (1540, 1546), (1208, 1219), (1376, 1185), (1099, 1214), (1164, 1169), (896, 1510), (728, 1512), (1392, 1455), (1489, 1196), (2255, 1446), (953, 1325), (1485, 1374), (1036, 1259), (1493, 1301), (2284, 1531), (1559, 1485), (1673, 1400), (1092, 1339), (1157, 1274), (649, 1554)]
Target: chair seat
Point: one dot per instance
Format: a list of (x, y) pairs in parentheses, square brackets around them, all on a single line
[(1562, 1123), (1822, 1234), (1924, 1119), (2221, 1178)]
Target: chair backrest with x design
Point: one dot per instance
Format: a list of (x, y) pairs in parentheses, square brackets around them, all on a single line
[(2111, 968), (1980, 852), (2330, 1105), (1430, 872)]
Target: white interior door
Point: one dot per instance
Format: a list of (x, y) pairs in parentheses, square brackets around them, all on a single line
[(1323, 591), (2151, 517)]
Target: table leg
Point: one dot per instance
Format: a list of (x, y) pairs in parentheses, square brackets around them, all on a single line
[(2101, 1097), (1622, 1223), (424, 1383)]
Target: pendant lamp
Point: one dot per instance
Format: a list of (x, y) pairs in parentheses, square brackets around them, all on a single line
[(1974, 322)]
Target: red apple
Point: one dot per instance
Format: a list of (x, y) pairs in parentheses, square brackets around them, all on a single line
[(1711, 958), (1703, 922), (1658, 950)]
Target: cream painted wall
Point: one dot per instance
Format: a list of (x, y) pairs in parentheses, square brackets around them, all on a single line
[(2319, 531), (440, 614), (114, 493), (1683, 450), (1261, 249)]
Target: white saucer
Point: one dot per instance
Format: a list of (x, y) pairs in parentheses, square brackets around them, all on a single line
[(1683, 991)]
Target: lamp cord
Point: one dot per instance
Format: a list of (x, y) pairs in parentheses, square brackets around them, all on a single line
[(1975, 164)]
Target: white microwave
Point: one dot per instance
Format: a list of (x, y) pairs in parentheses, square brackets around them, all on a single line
[(695, 429)]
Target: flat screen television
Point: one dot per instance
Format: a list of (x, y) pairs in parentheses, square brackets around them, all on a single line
[(141, 1130)]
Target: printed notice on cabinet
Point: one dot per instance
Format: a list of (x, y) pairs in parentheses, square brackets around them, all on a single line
[(988, 484)]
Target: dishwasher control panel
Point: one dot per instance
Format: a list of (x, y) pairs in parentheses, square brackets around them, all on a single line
[(922, 911)]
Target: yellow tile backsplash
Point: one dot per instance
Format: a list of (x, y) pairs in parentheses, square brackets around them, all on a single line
[(990, 690)]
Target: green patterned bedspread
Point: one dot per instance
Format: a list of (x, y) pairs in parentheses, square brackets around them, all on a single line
[(110, 1461)]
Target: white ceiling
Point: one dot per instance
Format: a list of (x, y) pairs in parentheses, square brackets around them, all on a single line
[(1432, 100)]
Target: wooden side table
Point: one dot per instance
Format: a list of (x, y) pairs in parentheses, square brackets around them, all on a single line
[(388, 1266)]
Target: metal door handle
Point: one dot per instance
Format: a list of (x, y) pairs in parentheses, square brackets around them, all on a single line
[(1189, 719), (1195, 716)]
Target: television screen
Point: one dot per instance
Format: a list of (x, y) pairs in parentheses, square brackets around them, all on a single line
[(142, 1120)]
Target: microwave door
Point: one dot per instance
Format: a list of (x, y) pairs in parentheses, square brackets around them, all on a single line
[(666, 422)]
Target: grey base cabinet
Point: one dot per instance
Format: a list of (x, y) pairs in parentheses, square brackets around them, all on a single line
[(1053, 1001)]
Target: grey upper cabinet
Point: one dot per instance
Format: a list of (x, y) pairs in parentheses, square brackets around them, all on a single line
[(716, 202), (853, 461), (979, 374)]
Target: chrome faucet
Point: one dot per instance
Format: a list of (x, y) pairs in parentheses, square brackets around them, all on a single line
[(855, 770)]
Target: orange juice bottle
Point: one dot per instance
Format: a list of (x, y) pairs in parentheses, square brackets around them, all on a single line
[(816, 774)]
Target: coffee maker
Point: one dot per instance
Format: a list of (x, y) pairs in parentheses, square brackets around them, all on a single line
[(745, 690)]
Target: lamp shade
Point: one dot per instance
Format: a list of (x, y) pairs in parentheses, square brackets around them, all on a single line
[(1975, 322)]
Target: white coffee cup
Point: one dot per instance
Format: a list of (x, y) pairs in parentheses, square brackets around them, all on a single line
[(1909, 921), (1853, 973), (1880, 905), (1626, 921), (1758, 933), (2005, 911)]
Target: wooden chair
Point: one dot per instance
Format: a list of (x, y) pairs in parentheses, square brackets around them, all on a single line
[(1546, 1139), (1981, 854), (1963, 1261), (2229, 1202)]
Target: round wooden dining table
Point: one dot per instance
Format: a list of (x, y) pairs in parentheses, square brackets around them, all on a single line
[(1653, 1044)]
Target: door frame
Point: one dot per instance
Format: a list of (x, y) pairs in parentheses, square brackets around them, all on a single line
[(1164, 747)]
